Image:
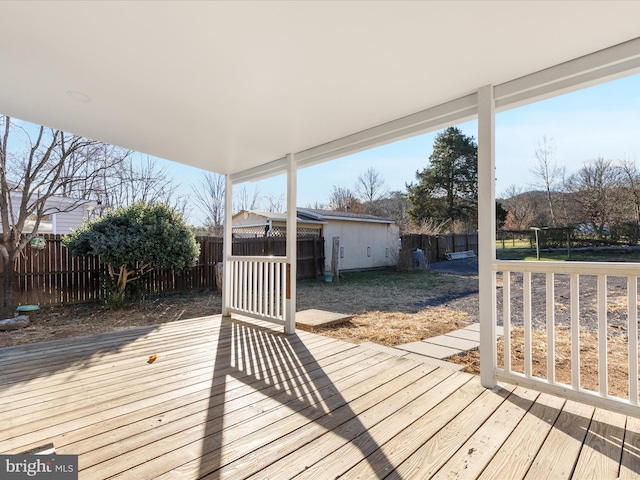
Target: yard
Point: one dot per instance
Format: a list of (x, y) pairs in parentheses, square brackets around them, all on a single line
[(388, 308)]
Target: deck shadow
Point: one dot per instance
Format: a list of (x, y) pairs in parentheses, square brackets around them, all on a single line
[(255, 352), (608, 439), (37, 360)]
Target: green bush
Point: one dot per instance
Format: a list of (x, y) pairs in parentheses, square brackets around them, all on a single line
[(134, 240)]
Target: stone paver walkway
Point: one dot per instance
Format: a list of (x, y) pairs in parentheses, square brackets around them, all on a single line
[(436, 349)]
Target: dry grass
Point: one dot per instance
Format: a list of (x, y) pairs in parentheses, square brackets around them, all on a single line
[(617, 354), (396, 328)]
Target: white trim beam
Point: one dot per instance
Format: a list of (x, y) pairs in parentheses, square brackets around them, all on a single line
[(487, 235), (612, 62), (227, 246), (266, 170), (292, 244), (591, 69), (440, 116)]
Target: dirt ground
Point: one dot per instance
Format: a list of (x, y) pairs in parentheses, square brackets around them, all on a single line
[(617, 354), (64, 321)]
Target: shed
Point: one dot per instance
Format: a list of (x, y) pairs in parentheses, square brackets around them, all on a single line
[(365, 241)]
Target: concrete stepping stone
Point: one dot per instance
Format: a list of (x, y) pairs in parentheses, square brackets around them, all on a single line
[(453, 342), (429, 349)]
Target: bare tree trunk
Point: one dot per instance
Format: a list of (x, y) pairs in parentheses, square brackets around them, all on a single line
[(553, 215), (548, 172), (7, 309)]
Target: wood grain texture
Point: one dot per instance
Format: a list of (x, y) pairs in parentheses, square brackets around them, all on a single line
[(231, 398)]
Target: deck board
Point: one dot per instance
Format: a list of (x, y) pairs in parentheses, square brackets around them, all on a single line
[(517, 453), (231, 398)]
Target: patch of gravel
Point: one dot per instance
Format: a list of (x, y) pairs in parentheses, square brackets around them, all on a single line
[(463, 266), (588, 291)]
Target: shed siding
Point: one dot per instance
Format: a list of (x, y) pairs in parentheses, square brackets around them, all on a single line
[(356, 238), (62, 223), (67, 222)]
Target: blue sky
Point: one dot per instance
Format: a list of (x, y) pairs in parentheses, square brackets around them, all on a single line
[(603, 120)]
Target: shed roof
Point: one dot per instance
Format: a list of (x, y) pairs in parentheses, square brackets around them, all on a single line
[(338, 215)]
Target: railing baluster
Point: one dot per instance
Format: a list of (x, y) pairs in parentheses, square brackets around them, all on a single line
[(551, 339), (602, 335), (526, 298), (254, 290), (278, 291), (283, 292), (506, 319), (575, 330), (632, 317), (264, 287), (244, 305), (236, 284)]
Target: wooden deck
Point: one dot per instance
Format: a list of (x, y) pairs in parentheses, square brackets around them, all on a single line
[(228, 398)]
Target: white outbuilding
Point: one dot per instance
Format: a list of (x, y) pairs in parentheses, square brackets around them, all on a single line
[(364, 241)]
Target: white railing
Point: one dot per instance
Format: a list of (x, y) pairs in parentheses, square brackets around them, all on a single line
[(258, 287), (518, 296)]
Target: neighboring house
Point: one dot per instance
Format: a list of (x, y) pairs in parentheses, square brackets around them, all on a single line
[(365, 241), (56, 220)]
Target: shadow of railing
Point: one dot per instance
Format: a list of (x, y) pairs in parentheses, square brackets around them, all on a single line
[(282, 368), (609, 439)]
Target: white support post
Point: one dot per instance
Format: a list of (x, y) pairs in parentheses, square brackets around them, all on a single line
[(487, 235), (227, 247), (292, 239)]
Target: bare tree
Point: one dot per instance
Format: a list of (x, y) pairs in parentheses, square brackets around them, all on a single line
[(317, 206), (631, 177), (521, 207), (53, 163), (596, 194), (370, 188), (209, 195), (395, 205), (139, 180), (343, 199), (549, 173), (246, 201), (274, 203), (96, 173)]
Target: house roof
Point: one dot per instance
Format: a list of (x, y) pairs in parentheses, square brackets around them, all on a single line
[(337, 215), (229, 86), (312, 215), (276, 216), (54, 202)]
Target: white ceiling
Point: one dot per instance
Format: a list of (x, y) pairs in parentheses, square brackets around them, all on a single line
[(227, 86)]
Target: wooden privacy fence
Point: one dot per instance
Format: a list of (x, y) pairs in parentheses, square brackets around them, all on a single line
[(435, 246), (51, 276), (310, 252)]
